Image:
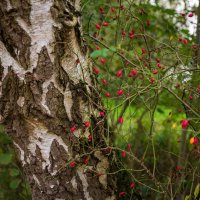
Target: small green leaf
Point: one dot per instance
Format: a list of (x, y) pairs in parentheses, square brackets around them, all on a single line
[(160, 110), (113, 49), (5, 159), (196, 191), (14, 184), (95, 54), (185, 31), (104, 52), (170, 11), (5, 139), (187, 197), (14, 172)]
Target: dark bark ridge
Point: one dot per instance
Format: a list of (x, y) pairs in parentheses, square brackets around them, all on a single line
[(44, 94)]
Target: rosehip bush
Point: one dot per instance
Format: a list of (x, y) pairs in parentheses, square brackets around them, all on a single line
[(148, 77)]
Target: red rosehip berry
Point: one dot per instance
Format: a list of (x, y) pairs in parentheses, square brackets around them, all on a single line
[(107, 94), (123, 154), (191, 15), (152, 80), (122, 7), (194, 47), (104, 81), (105, 24), (132, 185), (155, 71), (130, 75), (122, 194), (178, 168), (120, 92), (96, 70), (87, 124), (129, 147), (134, 72), (184, 123), (72, 129), (185, 41), (148, 22), (102, 60), (112, 9), (143, 50), (159, 65), (101, 10), (123, 33), (157, 60), (90, 138), (102, 114), (119, 73), (141, 77), (85, 161), (98, 26), (196, 140), (121, 120), (72, 164), (131, 35)]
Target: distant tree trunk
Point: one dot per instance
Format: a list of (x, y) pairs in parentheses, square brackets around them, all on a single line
[(47, 88)]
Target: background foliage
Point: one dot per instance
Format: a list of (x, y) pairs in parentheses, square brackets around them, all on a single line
[(156, 41)]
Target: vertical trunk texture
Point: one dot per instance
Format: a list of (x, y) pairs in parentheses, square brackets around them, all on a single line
[(45, 89)]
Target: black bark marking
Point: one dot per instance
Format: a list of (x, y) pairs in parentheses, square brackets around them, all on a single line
[(1, 71), (16, 40), (59, 156), (33, 91), (8, 105), (23, 9), (62, 78), (44, 69), (55, 102)]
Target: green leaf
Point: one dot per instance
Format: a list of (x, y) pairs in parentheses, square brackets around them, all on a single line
[(14, 184), (95, 54), (160, 110), (102, 52), (5, 139), (187, 197), (5, 159), (113, 49), (170, 11), (185, 31), (14, 172), (196, 191)]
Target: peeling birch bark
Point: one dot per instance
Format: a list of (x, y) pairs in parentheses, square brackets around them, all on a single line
[(46, 88)]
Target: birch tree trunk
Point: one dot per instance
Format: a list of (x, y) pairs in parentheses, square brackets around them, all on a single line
[(46, 88)]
